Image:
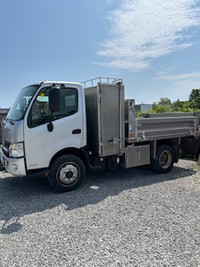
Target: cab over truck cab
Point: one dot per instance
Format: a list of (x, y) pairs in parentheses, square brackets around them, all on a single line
[(61, 128)]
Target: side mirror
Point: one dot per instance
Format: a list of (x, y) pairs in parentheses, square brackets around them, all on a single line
[(54, 99), (54, 105)]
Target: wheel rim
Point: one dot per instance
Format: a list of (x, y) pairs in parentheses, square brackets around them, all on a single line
[(165, 159), (68, 174)]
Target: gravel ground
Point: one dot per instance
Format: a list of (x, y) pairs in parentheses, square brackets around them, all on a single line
[(124, 218)]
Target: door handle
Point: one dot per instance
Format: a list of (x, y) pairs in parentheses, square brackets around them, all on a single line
[(76, 131)]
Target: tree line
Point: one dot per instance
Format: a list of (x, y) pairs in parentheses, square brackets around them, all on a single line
[(165, 104)]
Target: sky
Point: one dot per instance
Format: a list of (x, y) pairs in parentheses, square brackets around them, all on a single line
[(153, 45)]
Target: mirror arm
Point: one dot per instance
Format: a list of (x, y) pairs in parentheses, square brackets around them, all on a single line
[(50, 124)]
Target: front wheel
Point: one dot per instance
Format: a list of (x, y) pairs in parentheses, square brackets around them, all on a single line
[(66, 173), (164, 159)]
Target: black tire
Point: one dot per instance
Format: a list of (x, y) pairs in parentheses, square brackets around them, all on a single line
[(164, 159), (66, 173)]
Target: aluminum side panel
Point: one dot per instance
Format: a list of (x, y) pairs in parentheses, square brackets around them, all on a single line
[(105, 119)]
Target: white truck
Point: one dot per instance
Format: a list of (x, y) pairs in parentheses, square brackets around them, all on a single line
[(60, 129)]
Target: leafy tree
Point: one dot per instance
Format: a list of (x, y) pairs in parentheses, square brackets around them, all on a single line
[(194, 98), (187, 107), (154, 106), (177, 105), (165, 104), (162, 108), (165, 101)]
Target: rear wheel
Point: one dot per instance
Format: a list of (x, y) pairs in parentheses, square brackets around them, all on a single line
[(164, 159), (66, 173)]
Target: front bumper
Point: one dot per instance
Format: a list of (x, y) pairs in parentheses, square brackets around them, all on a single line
[(13, 166)]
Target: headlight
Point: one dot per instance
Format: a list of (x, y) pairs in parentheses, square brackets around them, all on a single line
[(16, 150)]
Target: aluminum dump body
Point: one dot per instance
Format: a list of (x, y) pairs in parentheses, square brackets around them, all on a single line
[(159, 126), (112, 124), (165, 127)]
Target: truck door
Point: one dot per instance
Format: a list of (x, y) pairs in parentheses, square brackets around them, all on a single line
[(68, 127)]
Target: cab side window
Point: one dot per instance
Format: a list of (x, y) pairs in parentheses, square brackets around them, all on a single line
[(68, 103), (40, 113)]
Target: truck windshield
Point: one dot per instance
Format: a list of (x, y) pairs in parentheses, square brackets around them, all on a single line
[(21, 103)]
